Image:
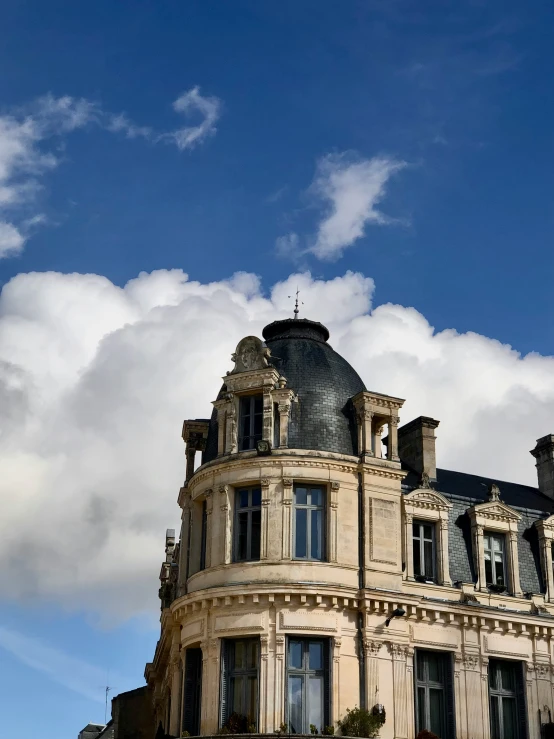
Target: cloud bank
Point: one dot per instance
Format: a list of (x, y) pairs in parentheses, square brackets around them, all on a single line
[(30, 139), (95, 381)]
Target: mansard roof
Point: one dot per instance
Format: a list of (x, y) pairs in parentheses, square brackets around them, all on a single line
[(465, 491)]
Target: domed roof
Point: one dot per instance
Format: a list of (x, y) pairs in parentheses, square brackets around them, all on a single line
[(323, 418)]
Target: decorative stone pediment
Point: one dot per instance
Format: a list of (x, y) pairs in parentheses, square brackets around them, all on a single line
[(546, 524), (250, 354), (495, 510), (427, 498)]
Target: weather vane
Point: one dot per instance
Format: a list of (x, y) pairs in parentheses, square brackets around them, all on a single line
[(296, 309)]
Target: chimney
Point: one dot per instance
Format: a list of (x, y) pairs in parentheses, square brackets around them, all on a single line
[(416, 445), (544, 454)]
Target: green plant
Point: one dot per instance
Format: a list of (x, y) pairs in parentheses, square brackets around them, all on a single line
[(426, 734), (328, 731), (313, 729), (361, 722), (184, 734), (235, 724)]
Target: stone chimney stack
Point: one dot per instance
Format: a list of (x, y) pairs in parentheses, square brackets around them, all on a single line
[(416, 445), (544, 454)]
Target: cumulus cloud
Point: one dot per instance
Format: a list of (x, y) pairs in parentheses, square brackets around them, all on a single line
[(189, 103), (29, 144), (95, 381), (348, 189)]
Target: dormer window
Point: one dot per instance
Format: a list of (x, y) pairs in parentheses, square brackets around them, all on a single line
[(424, 556), (251, 414), (494, 548)]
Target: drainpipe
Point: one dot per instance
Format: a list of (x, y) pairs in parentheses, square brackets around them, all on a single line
[(361, 586)]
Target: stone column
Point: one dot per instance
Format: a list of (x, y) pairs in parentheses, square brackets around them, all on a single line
[(284, 416), (367, 422), (409, 551), (209, 543), (263, 692), (335, 702), (371, 649), (443, 543), (514, 564), (400, 691), (175, 716), (460, 705), (410, 691), (268, 415), (548, 572), (221, 407), (530, 676), (206, 708), (231, 435), (279, 682), (224, 506), (333, 526), (287, 513), (264, 533), (478, 548), (485, 714), (393, 439)]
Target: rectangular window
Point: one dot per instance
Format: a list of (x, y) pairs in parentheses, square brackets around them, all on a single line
[(192, 690), (434, 693), (309, 523), (203, 533), (248, 514), (507, 703), (495, 560), (424, 550), (251, 415), (239, 688), (307, 685)]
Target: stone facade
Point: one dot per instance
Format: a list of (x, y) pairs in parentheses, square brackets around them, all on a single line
[(373, 556)]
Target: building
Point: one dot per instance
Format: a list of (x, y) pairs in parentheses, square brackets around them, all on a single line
[(97, 731), (325, 562)]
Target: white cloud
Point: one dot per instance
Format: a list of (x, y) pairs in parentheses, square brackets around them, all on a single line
[(352, 189), (75, 674), (188, 104), (348, 189), (29, 142), (95, 381)]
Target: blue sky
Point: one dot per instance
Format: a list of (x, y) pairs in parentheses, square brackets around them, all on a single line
[(438, 115)]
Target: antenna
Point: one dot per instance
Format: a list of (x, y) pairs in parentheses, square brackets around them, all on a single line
[(107, 690), (296, 310)]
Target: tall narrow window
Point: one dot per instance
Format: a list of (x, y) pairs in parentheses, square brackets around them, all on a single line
[(308, 685), (424, 550), (434, 693), (192, 690), (239, 686), (203, 534), (247, 524), (309, 523), (495, 560), (251, 416), (507, 703)]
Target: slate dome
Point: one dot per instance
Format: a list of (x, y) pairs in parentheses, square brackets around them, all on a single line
[(323, 418)]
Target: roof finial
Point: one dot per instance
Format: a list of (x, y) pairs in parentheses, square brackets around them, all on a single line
[(296, 309)]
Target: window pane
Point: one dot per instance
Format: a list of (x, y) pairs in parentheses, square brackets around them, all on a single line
[(315, 655), (258, 404), (421, 709), (436, 711), (240, 655), (487, 541), (295, 654), (255, 535), (237, 691), (497, 543), (315, 702), (242, 537), (508, 718), (243, 498), (301, 496), (417, 558), (252, 661), (499, 573), (428, 531), (258, 420), (252, 701), (495, 720), (295, 705), (507, 677), (300, 549), (433, 661), (316, 497), (488, 570), (415, 530), (428, 551), (256, 497), (316, 535)]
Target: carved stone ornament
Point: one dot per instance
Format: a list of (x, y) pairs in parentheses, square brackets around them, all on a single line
[(250, 354), (424, 482), (494, 492)]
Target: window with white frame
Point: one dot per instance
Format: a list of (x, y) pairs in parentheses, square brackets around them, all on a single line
[(248, 513), (251, 415), (494, 549), (424, 550), (309, 522)]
